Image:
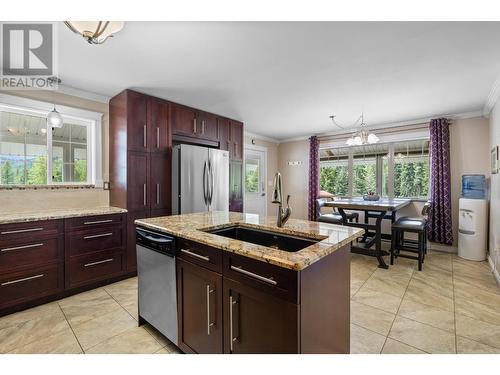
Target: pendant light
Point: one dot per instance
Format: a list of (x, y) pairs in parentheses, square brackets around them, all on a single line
[(54, 119), (95, 32)]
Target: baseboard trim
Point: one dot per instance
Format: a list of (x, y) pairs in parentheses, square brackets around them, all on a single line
[(494, 270)]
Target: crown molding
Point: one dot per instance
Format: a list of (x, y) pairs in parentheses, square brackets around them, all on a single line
[(73, 91), (492, 97), (261, 137)]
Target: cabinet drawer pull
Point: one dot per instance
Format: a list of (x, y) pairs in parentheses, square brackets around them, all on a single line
[(21, 280), (157, 194), (145, 135), (21, 247), (232, 339), (98, 222), (207, 259), (268, 280), (209, 324), (99, 262), (157, 137), (144, 201), (194, 125), (97, 236), (22, 231)]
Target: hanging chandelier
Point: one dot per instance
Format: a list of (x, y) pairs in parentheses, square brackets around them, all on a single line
[(362, 136), (95, 32)]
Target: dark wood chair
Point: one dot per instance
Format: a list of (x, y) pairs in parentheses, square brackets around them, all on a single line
[(335, 217), (416, 225)]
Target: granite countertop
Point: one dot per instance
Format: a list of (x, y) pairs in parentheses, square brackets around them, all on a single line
[(21, 217), (191, 227)]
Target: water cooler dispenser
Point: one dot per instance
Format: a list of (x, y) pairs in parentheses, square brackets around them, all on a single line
[(473, 218)]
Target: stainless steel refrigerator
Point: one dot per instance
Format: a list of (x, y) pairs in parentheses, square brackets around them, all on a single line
[(200, 179)]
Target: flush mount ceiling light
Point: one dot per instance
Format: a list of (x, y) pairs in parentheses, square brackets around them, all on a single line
[(360, 137), (95, 32)]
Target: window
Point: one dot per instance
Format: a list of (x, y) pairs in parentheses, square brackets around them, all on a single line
[(333, 175), (371, 167), (252, 175), (33, 154)]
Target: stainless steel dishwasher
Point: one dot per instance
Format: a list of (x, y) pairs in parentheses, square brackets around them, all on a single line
[(157, 284)]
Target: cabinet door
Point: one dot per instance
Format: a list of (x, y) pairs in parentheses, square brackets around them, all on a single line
[(137, 121), (160, 181), (138, 172), (257, 322), (223, 135), (159, 137), (183, 120), (235, 186), (237, 139), (199, 295), (208, 126)]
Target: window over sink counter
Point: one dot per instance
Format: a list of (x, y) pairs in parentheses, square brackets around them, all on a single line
[(34, 154), (394, 169)]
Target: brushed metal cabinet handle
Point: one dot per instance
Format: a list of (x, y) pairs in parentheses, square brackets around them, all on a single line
[(22, 231), (232, 339), (209, 324), (157, 194), (21, 247), (21, 280), (202, 126), (98, 222), (207, 259), (144, 202), (194, 125), (145, 135), (268, 280), (99, 262), (97, 236), (157, 137)]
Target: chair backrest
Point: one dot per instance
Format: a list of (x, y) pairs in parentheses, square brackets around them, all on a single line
[(426, 209), (320, 202)]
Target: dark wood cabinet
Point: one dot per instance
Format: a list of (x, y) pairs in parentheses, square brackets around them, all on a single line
[(138, 181), (223, 134), (138, 127), (207, 126), (160, 197), (258, 322), (159, 134), (236, 140), (183, 120), (199, 295)]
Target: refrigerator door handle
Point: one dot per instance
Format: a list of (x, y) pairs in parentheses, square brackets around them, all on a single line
[(211, 181), (205, 195)]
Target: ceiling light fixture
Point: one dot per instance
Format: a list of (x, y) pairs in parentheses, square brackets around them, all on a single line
[(360, 137), (54, 119), (95, 32)]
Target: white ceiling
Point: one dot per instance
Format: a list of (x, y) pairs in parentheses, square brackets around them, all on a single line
[(284, 79)]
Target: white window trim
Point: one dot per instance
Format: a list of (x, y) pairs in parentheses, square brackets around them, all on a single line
[(93, 121)]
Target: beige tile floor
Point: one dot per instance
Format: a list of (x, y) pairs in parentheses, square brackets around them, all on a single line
[(452, 306)]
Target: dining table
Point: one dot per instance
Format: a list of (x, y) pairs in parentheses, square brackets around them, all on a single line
[(381, 209)]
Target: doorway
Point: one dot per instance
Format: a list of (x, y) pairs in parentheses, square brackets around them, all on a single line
[(255, 180)]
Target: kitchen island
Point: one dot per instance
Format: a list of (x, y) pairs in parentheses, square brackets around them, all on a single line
[(246, 286)]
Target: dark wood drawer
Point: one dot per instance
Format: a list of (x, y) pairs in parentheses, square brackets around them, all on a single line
[(275, 280), (31, 252), (32, 230), (201, 255), (92, 222), (95, 267), (90, 241), (19, 287)]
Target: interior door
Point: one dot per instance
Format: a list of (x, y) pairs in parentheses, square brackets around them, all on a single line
[(193, 178), (200, 315), (255, 181), (219, 180)]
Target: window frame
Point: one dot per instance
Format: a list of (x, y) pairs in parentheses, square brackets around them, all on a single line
[(379, 166), (92, 120)]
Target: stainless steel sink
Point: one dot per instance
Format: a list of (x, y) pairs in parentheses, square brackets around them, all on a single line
[(264, 238)]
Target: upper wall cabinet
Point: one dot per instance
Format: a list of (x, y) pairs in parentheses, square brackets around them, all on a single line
[(236, 140), (137, 127), (159, 137), (184, 121), (207, 126)]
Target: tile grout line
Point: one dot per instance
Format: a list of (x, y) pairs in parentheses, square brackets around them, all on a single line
[(396, 314), (70, 327)]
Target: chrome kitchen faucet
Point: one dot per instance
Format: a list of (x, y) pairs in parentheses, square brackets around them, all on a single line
[(283, 213)]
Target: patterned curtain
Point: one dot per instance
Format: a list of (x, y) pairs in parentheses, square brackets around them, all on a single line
[(313, 177), (439, 229)]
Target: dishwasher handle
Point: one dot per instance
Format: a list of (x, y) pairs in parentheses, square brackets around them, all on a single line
[(156, 241)]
